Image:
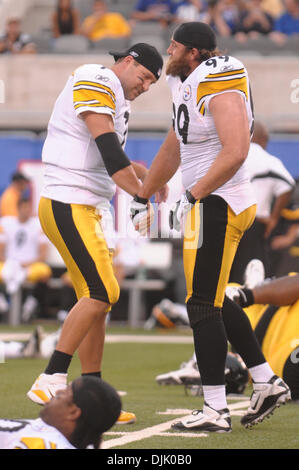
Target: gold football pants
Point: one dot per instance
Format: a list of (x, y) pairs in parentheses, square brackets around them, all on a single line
[(76, 232), (211, 237)]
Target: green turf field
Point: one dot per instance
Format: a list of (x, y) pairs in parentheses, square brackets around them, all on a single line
[(132, 367)]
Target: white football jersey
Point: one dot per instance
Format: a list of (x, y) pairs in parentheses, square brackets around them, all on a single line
[(31, 434), (22, 240), (269, 178), (74, 168), (195, 129)]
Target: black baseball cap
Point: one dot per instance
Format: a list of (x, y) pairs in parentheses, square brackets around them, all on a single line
[(196, 34), (99, 402), (144, 54)]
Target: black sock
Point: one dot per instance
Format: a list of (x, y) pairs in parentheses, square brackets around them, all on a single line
[(93, 374), (210, 342), (59, 363), (240, 334)]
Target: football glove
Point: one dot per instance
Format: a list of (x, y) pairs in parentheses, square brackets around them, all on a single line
[(141, 212), (179, 211)]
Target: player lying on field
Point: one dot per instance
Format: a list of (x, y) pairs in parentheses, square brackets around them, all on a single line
[(272, 308), (75, 418)]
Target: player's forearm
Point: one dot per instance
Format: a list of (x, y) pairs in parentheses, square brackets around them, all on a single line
[(280, 203), (281, 291), (164, 166), (2, 253), (140, 170), (127, 180)]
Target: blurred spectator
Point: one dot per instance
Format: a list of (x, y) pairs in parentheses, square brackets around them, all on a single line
[(288, 23), (13, 41), (102, 24), (23, 252), (254, 21), (12, 194), (275, 8), (161, 11), (190, 10), (231, 10), (65, 19), (282, 238), (273, 186), (222, 16)]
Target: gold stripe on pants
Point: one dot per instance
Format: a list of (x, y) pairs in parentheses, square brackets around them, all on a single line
[(212, 234), (76, 232)]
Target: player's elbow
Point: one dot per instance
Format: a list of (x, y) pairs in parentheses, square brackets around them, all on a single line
[(240, 157)]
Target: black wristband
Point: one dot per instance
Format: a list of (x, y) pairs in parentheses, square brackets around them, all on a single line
[(141, 200), (246, 297), (113, 156), (190, 197)]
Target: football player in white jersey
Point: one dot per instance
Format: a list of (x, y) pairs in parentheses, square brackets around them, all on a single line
[(75, 418), (23, 254), (84, 160), (212, 124)]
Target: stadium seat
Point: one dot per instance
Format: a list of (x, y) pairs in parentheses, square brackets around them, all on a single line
[(155, 41), (293, 43), (147, 28), (110, 44), (71, 44), (43, 42), (246, 53), (124, 7), (84, 7)]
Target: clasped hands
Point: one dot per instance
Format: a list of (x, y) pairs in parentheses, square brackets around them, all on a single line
[(141, 212)]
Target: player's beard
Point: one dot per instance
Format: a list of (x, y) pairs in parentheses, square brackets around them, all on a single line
[(178, 67)]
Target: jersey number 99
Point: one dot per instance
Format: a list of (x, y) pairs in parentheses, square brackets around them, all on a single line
[(181, 120)]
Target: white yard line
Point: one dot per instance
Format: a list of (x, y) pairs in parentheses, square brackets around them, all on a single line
[(237, 406), (14, 336), (138, 435), (160, 429), (115, 338), (149, 339), (183, 434)]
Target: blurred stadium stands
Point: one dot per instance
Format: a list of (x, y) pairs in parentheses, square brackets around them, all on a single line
[(36, 21), (33, 82)]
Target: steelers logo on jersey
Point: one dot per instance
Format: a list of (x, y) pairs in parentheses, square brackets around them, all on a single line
[(187, 93)]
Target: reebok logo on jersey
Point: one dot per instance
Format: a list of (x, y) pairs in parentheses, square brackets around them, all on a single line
[(227, 68), (102, 79)]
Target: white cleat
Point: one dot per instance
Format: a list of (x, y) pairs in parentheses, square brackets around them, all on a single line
[(264, 399), (205, 420), (187, 375), (46, 386), (254, 274)]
